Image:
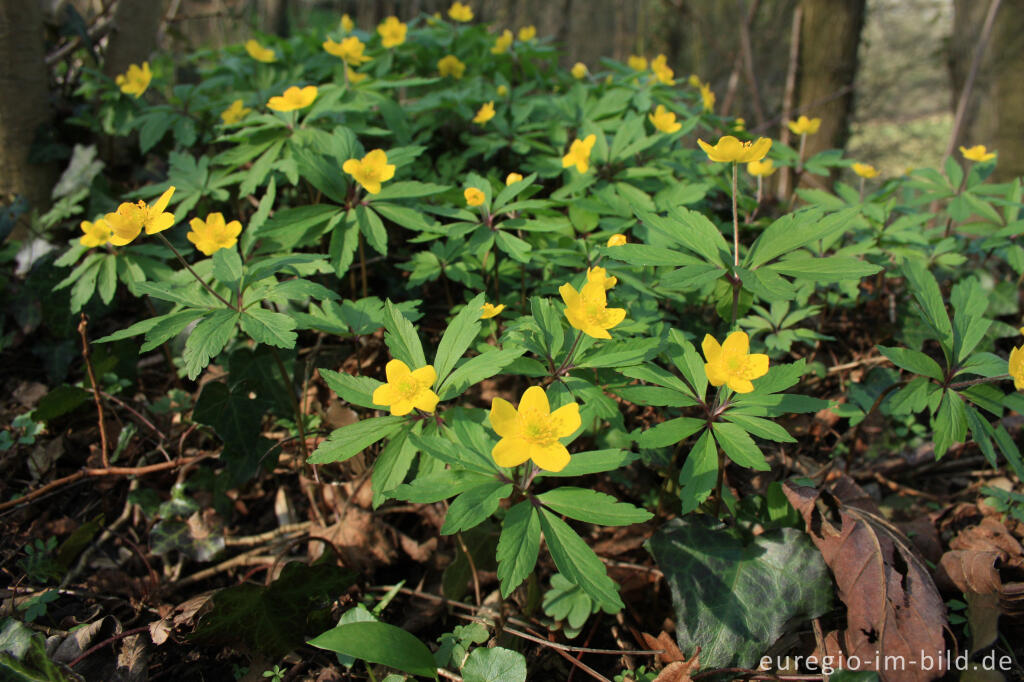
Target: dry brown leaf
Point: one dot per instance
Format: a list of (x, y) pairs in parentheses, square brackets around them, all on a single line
[(668, 643), (132, 660), (893, 607), (359, 537), (677, 668)]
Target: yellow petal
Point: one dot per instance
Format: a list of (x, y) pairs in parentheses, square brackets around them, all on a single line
[(757, 365), (716, 373), (737, 343), (503, 417), (712, 349), (569, 295), (553, 457), (425, 376), (160, 223), (385, 394), (396, 370), (740, 385), (566, 419), (402, 407), (510, 452), (425, 400), (535, 400), (162, 202)]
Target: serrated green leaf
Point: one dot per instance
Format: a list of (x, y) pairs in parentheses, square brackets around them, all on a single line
[(699, 474), (591, 506), (669, 433), (401, 337), (474, 505), (208, 339), (578, 563), (353, 390), (350, 440), (518, 546), (457, 337), (913, 361), (266, 326), (739, 446)]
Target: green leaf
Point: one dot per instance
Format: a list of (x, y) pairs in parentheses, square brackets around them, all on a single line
[(593, 462), (699, 475), (925, 290), (518, 546), (739, 446), (457, 454), (379, 643), (913, 361), (762, 428), (645, 254), (106, 284), (949, 423), (494, 664), (373, 229), (401, 337), (578, 563), (620, 353), (476, 369), (166, 327), (408, 190), (440, 485), (227, 268), (969, 302), (273, 620), (353, 390), (391, 466), (236, 418), (692, 230), (591, 506), (266, 326), (350, 440), (208, 339), (825, 269), (518, 248), (457, 337), (794, 231), (984, 364), (715, 574), (474, 505), (669, 433)]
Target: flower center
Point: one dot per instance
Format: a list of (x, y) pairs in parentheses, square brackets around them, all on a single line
[(408, 387), (537, 428), (739, 366)]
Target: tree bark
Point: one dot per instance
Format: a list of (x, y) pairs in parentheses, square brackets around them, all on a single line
[(25, 105), (995, 110), (829, 38), (133, 40)]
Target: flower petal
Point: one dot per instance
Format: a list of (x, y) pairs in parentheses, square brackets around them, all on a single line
[(757, 365), (716, 372), (396, 370), (553, 457), (737, 343), (402, 408), (535, 400), (425, 400), (740, 385), (712, 349), (566, 419), (162, 202), (385, 394), (425, 376), (159, 223), (510, 452), (503, 417)]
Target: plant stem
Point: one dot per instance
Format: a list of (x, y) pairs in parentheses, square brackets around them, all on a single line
[(568, 357), (974, 382), (735, 247), (296, 406), (196, 274), (86, 355), (362, 263)]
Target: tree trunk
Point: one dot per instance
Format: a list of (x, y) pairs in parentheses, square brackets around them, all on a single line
[(829, 38), (995, 109), (133, 40), (25, 104)]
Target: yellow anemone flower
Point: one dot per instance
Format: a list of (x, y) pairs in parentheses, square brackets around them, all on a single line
[(488, 310), (135, 80), (977, 153), (865, 170), (664, 120), (260, 53), (128, 221), (347, 25), (392, 32), (449, 65), (616, 240), (587, 310), (1015, 367), (235, 113), (502, 90), (293, 98), (355, 77), (350, 50), (637, 63), (474, 197), (460, 12), (661, 69), (600, 275), (804, 125), (95, 234), (512, 177), (761, 169), (707, 96), (579, 153), (485, 113), (371, 170), (732, 363), (213, 233), (532, 432), (578, 70), (729, 150), (527, 33), (407, 389), (503, 42)]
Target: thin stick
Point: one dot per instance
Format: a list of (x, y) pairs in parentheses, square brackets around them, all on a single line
[(195, 274), (972, 74), (789, 96), (109, 640), (362, 263), (472, 569), (86, 355), (296, 407)]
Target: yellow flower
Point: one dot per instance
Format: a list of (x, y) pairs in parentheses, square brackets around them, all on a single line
[(865, 170), (600, 275), (729, 149), (485, 113), (347, 24), (512, 177), (450, 65), (406, 390), (488, 311), (293, 98), (260, 53), (804, 125), (732, 363), (503, 42), (135, 80), (1015, 367), (707, 96), (371, 170), (460, 12), (350, 49), (392, 32), (579, 153), (502, 90), (129, 219), (474, 197), (761, 169), (527, 33), (662, 70), (212, 234), (235, 113), (637, 63), (579, 70), (532, 431), (694, 80), (353, 76), (975, 153), (616, 240), (739, 124), (588, 311), (664, 120), (96, 234)]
